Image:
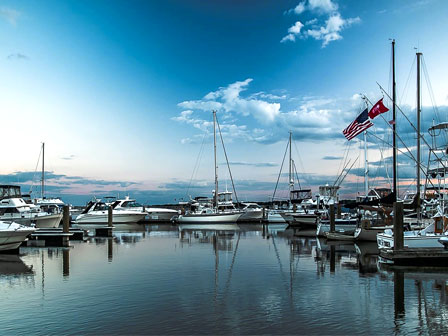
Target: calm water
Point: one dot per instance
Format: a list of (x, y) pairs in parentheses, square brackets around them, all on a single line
[(158, 280)]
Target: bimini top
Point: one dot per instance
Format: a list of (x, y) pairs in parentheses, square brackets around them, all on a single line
[(9, 191), (442, 125)]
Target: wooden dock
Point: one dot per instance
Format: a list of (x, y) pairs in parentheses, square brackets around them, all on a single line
[(436, 257)]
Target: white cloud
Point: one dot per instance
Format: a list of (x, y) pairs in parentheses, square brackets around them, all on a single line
[(300, 8), (310, 118), (327, 31), (332, 29), (325, 6), (229, 100), (10, 15)]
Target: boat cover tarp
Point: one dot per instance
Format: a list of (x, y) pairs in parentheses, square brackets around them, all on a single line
[(388, 200)]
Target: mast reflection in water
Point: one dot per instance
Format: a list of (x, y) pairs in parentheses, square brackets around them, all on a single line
[(164, 279)]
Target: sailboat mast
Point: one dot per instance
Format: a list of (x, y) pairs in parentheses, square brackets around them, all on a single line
[(366, 166), (43, 170), (394, 125), (418, 132), (291, 180), (216, 165)]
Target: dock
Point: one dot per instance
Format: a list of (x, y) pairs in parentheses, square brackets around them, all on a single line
[(436, 256)]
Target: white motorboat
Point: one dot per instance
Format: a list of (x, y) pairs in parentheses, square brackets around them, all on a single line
[(155, 214), (13, 234), (97, 213), (275, 216), (14, 208), (251, 211)]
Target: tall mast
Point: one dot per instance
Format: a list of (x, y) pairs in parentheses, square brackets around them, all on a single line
[(43, 170), (291, 178), (216, 166), (366, 166), (418, 133), (394, 125)]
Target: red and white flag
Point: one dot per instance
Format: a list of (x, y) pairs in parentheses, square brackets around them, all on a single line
[(377, 109)]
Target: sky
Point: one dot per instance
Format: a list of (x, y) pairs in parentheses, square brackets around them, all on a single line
[(122, 92)]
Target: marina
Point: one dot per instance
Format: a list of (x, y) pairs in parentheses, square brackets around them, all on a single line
[(224, 167), (195, 281)]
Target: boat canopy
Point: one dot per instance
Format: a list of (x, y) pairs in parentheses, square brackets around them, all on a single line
[(298, 195), (10, 191)]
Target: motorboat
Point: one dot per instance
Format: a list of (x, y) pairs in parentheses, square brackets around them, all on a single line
[(14, 208), (155, 214), (345, 226), (96, 212), (12, 235), (251, 211)]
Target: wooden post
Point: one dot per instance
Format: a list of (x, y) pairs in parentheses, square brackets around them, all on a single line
[(398, 226), (65, 224), (264, 213), (399, 294), (109, 217), (65, 262), (294, 207), (332, 258), (65, 219), (332, 219), (339, 211)]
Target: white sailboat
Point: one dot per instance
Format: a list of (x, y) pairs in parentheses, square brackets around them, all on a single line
[(211, 215)]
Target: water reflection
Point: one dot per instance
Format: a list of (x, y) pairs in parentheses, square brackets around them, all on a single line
[(232, 279)]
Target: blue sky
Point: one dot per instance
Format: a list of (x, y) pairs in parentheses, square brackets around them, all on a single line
[(121, 92)]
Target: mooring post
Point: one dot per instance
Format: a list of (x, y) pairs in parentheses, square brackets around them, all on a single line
[(65, 224), (398, 226), (399, 307), (294, 207), (332, 258), (264, 213), (339, 211), (109, 217), (332, 219), (65, 262)]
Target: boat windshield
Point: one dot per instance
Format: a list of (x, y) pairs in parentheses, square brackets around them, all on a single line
[(131, 204)]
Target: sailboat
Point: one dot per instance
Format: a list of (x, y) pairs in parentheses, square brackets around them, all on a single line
[(429, 236), (213, 214)]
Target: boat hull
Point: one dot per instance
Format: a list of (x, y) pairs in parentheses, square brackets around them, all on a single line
[(415, 241), (158, 216), (116, 218), (12, 236), (344, 228), (209, 218)]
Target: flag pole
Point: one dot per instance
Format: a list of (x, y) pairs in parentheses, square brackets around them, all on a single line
[(394, 125)]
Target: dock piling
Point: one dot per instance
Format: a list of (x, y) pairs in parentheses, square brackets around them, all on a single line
[(65, 224), (109, 217), (398, 226), (332, 219)]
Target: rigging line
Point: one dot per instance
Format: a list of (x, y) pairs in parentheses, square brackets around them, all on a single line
[(422, 167), (421, 136), (227, 160), (280, 173), (196, 166), (382, 160), (406, 87), (300, 158), (346, 173), (399, 138), (35, 170), (342, 172), (432, 97), (297, 174)]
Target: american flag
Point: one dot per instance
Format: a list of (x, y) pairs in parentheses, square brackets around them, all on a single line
[(360, 124)]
